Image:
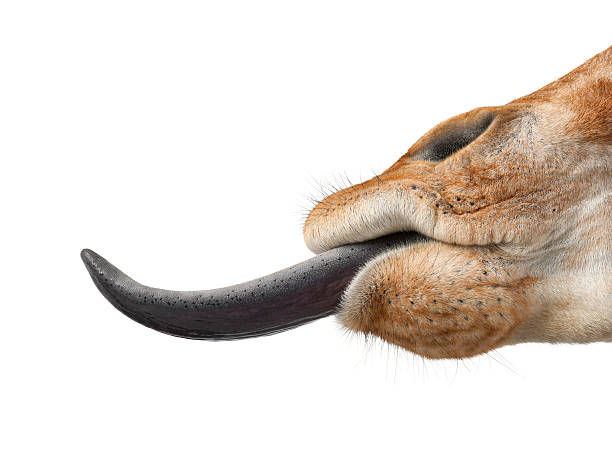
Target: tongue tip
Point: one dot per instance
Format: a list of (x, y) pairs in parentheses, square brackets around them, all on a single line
[(96, 264), (87, 256)]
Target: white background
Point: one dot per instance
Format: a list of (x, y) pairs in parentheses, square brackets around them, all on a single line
[(180, 140)]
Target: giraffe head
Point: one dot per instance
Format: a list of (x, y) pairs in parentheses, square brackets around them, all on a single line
[(513, 208), (517, 203)]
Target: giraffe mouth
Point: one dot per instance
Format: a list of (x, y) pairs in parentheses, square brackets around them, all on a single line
[(280, 301), (299, 294)]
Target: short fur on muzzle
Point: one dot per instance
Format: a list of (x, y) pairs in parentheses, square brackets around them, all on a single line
[(513, 204)]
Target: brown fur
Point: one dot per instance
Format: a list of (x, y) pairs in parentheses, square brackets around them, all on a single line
[(519, 221)]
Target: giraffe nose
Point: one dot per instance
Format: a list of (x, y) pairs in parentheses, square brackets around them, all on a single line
[(453, 135)]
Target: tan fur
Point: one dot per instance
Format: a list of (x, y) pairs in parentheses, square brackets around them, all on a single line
[(519, 219)]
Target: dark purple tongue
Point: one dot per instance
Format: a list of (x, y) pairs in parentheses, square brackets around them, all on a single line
[(280, 301)]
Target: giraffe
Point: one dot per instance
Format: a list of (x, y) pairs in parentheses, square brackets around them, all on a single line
[(493, 229)]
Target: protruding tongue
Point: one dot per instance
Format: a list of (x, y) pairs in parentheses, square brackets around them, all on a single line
[(280, 301)]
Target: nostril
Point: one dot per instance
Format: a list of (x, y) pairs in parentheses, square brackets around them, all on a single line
[(453, 135)]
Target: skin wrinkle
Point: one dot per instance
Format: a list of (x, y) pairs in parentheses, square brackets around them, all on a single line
[(518, 221)]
